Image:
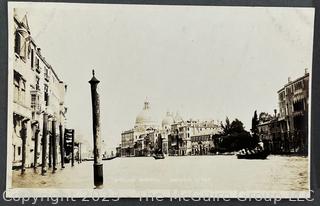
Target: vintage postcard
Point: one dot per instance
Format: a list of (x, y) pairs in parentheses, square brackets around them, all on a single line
[(114, 100)]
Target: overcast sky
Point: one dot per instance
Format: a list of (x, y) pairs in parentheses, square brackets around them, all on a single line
[(205, 62)]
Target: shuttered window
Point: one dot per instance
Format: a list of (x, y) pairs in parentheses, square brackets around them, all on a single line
[(20, 46)]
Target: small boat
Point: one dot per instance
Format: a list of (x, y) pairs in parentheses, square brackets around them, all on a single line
[(109, 158), (258, 155), (158, 156)]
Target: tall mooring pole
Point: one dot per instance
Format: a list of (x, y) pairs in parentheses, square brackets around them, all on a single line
[(97, 166), (72, 148), (54, 146), (61, 145), (23, 134), (44, 144), (50, 149), (80, 152), (36, 143)]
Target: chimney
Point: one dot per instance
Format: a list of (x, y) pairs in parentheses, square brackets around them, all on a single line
[(275, 112), (289, 79), (39, 50), (305, 71)]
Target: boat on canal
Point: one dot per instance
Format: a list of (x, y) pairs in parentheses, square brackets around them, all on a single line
[(109, 158), (158, 156), (257, 153)]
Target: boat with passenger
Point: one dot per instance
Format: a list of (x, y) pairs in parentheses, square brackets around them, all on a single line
[(259, 152)]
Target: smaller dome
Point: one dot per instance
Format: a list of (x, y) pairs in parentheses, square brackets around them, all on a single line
[(168, 120), (178, 118)]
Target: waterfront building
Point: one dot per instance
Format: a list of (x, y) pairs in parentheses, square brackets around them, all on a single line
[(202, 144), (138, 139), (127, 143), (288, 130), (165, 131), (36, 89), (174, 136), (189, 137), (270, 132), (118, 151)]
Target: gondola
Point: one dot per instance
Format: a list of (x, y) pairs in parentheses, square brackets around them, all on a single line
[(158, 156), (109, 158), (258, 155)]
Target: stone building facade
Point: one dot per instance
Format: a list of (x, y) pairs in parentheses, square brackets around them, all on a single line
[(190, 136), (37, 89), (173, 136), (287, 131)]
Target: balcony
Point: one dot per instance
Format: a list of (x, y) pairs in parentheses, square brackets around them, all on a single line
[(298, 91), (298, 113), (21, 109)]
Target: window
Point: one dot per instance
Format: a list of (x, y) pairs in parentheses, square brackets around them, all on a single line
[(20, 46), (46, 95), (37, 83), (298, 85), (32, 58), (288, 90), (298, 106), (23, 91), (37, 64), (33, 101), (46, 73), (16, 88), (19, 88), (19, 151), (17, 43)]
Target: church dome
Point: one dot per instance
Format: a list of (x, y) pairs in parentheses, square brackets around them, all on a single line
[(168, 120), (145, 117)]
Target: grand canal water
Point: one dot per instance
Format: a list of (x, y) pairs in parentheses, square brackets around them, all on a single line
[(215, 173)]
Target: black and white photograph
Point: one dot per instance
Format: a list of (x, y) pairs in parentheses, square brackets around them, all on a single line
[(125, 100)]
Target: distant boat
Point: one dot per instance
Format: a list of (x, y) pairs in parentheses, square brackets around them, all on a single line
[(158, 156), (109, 158), (257, 153)]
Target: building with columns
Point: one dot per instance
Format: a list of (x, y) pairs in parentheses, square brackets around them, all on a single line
[(38, 90), (287, 131)]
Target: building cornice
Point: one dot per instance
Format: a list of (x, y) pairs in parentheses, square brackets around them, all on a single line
[(293, 82)]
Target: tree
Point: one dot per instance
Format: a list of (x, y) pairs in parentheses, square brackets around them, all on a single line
[(236, 126), (226, 127), (234, 137), (254, 123)]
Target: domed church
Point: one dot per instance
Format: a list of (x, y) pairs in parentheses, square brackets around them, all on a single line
[(145, 118), (167, 121)]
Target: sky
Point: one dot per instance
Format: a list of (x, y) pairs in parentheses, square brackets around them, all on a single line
[(204, 62)]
